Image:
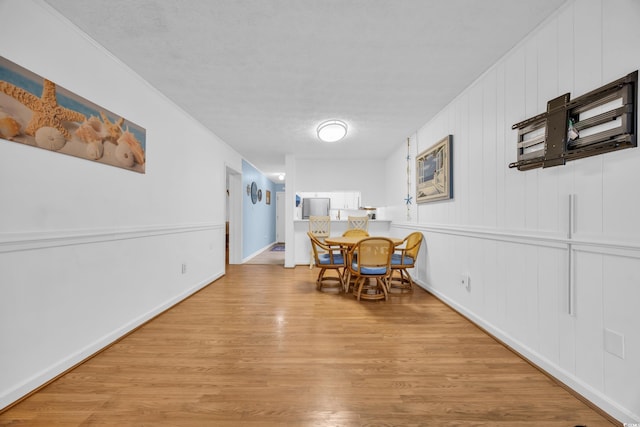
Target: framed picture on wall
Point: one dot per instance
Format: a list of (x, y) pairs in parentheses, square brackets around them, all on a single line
[(434, 172), (37, 112), (268, 197)]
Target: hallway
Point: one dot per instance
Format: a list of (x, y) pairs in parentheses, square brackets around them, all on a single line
[(271, 256)]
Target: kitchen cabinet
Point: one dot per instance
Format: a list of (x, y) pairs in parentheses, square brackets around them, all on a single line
[(339, 199), (345, 200)]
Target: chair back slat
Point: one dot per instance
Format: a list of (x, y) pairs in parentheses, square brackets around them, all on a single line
[(355, 232), (326, 258), (405, 258), (413, 244), (375, 252), (320, 225), (358, 222), (370, 265), (318, 247)]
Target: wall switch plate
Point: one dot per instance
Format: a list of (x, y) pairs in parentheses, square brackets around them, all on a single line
[(464, 281), (614, 343), (184, 268)]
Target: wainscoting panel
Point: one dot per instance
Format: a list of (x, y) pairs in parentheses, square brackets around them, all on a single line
[(69, 294), (520, 292)]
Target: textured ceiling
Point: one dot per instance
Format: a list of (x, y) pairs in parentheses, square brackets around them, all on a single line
[(262, 74)]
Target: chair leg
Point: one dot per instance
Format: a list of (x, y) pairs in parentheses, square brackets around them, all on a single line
[(347, 281), (341, 278), (387, 283), (319, 279), (406, 280), (363, 285), (323, 279), (382, 283), (403, 282), (357, 287)]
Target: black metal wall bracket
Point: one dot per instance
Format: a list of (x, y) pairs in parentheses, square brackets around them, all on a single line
[(597, 122)]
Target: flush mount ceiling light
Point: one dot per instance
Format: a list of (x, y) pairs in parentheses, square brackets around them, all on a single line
[(332, 130)]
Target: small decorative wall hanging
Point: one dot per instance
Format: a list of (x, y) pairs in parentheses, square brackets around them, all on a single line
[(254, 193), (434, 172), (268, 197), (260, 195), (35, 111)]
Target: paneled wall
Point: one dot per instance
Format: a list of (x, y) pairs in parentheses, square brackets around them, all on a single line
[(566, 299)]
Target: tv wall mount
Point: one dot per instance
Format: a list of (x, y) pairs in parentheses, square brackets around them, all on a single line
[(597, 122)]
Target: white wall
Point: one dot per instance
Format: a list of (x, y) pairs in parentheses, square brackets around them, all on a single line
[(343, 175), (87, 251), (508, 229)]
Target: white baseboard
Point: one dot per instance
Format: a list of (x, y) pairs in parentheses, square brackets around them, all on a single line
[(13, 394), (587, 392), (258, 252)]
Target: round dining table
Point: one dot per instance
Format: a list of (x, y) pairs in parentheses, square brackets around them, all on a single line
[(347, 243), (350, 241)]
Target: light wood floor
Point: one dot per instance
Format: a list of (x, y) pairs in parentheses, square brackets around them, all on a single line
[(268, 257), (262, 347)]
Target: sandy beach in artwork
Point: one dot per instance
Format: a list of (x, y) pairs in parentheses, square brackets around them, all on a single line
[(74, 146), (78, 128)]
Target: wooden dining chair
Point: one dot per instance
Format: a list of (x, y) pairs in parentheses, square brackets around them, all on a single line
[(355, 232), (320, 227), (358, 222), (327, 258), (402, 259), (369, 264)]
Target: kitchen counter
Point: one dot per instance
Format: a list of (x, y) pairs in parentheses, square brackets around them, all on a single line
[(377, 227), (344, 220)]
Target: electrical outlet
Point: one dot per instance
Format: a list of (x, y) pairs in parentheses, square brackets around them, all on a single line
[(614, 343), (465, 281), (184, 268)]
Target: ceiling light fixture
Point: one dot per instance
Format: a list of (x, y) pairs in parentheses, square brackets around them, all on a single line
[(332, 130), (281, 177)]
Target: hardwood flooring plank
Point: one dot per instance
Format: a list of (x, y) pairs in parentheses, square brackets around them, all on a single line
[(262, 347)]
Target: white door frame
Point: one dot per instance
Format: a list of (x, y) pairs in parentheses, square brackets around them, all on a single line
[(280, 228), (234, 178)]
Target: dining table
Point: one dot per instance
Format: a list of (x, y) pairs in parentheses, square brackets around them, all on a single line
[(348, 242)]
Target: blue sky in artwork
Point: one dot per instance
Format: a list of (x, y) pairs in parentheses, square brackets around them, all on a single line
[(24, 79)]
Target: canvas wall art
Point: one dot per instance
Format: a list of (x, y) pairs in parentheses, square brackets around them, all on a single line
[(434, 170), (35, 111)]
